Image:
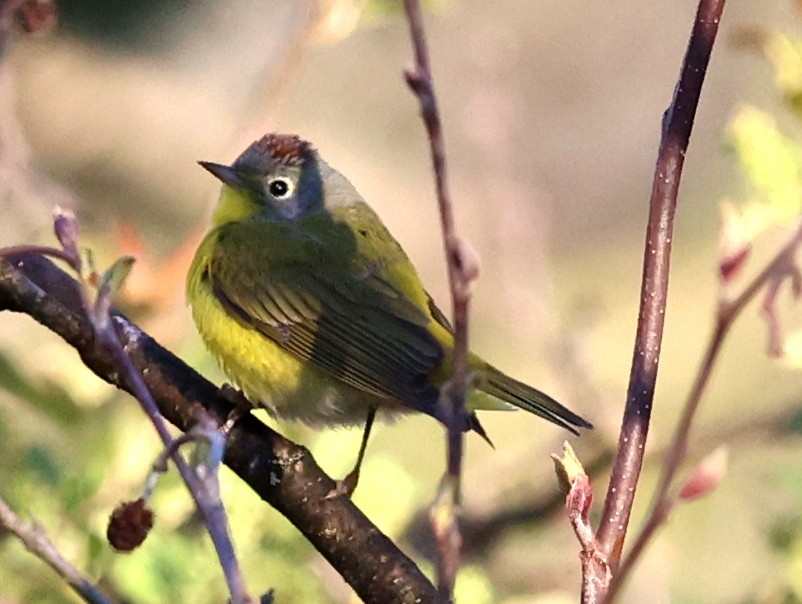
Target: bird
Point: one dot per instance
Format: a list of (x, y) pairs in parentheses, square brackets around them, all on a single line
[(315, 312)]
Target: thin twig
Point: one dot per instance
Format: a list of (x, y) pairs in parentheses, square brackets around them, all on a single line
[(203, 489), (462, 270), (677, 124), (36, 541), (728, 312)]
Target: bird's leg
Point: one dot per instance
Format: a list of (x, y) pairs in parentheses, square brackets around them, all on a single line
[(347, 485), (242, 407)]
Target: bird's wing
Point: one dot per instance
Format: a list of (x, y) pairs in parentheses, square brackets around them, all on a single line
[(330, 304), (438, 315)]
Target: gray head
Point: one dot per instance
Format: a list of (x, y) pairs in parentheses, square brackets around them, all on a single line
[(281, 172)]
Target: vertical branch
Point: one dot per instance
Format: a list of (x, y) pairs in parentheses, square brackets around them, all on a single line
[(462, 269), (677, 125)]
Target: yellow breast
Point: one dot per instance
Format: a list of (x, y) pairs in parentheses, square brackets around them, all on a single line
[(268, 375)]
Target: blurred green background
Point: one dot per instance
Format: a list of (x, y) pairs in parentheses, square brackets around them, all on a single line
[(552, 118)]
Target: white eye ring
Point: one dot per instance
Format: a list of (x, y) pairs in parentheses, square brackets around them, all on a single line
[(280, 187)]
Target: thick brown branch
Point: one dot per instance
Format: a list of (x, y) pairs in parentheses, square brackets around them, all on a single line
[(284, 474)]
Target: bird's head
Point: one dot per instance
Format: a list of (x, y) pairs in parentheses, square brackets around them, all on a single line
[(278, 177)]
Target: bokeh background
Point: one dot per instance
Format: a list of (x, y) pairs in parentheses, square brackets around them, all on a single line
[(552, 118)]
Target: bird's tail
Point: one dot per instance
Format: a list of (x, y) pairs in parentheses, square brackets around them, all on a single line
[(503, 387)]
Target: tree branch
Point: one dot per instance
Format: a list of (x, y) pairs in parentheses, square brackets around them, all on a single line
[(774, 272), (284, 474), (677, 125), (463, 268), (35, 540)]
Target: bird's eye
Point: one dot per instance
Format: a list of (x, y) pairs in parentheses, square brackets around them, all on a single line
[(280, 188)]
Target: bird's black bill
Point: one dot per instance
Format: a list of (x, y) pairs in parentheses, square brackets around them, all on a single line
[(225, 174)]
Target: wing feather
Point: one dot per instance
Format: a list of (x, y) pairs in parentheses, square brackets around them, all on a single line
[(334, 309)]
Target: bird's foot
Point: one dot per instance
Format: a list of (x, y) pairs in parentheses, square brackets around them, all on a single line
[(344, 487), (241, 408)]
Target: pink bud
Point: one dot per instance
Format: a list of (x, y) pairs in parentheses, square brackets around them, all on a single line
[(734, 243), (730, 265), (65, 225), (706, 475)]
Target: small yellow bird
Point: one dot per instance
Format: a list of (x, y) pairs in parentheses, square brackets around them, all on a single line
[(313, 309)]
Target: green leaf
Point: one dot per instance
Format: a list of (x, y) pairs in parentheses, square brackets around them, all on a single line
[(772, 163)]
